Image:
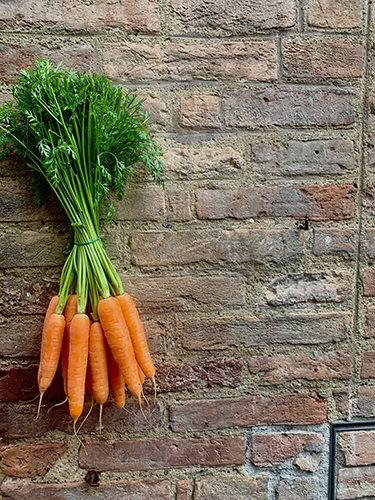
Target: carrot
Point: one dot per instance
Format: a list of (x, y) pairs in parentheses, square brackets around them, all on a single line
[(98, 363), (50, 309), (142, 376), (117, 381), (69, 311), (119, 341), (78, 355), (50, 353), (137, 335)]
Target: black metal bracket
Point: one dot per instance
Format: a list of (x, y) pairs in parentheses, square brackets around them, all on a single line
[(335, 428)]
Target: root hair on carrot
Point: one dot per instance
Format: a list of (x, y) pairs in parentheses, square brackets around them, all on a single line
[(58, 404)]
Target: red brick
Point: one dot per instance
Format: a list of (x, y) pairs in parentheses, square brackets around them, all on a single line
[(367, 364), (286, 107), (252, 60), (203, 161), (107, 490), (219, 333), (32, 249), (355, 483), (201, 111), (179, 205), (309, 462), (298, 488), (369, 328), (304, 287), (183, 489), (233, 16), (280, 369), (18, 420), (365, 402), (370, 242), (335, 242), (162, 453), (177, 377), (271, 449), (368, 282), (232, 486), (216, 246), (70, 15), (327, 58), (335, 14), (341, 397), (30, 460), (281, 409), (141, 203), (358, 447), (166, 293), (14, 58), (320, 157), (25, 297), (328, 202)]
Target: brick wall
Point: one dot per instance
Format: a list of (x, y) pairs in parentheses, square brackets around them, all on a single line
[(263, 333)]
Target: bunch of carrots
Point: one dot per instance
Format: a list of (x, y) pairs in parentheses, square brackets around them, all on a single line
[(82, 137)]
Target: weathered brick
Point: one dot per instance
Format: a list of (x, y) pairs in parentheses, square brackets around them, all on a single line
[(298, 488), (156, 109), (371, 146), (178, 292), (235, 17), (70, 15), (280, 409), (203, 161), (355, 483), (253, 60), (21, 336), (177, 377), (279, 369), (358, 447), (107, 490), (304, 287), (11, 165), (200, 111), (369, 327), (32, 249), (370, 242), (25, 297), (19, 383), (368, 282), (341, 397), (328, 202), (365, 402), (162, 453), (231, 487), (329, 241), (179, 205), (320, 157), (271, 449), (220, 333), (30, 460), (367, 364), (18, 420), (308, 462), (17, 204), (328, 58), (13, 58), (335, 14), (141, 203), (216, 246), (183, 489), (286, 107)]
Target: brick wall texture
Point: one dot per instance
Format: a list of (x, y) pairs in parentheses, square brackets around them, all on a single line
[(262, 328)]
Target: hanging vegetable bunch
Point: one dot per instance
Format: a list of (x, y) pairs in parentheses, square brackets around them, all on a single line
[(81, 136)]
